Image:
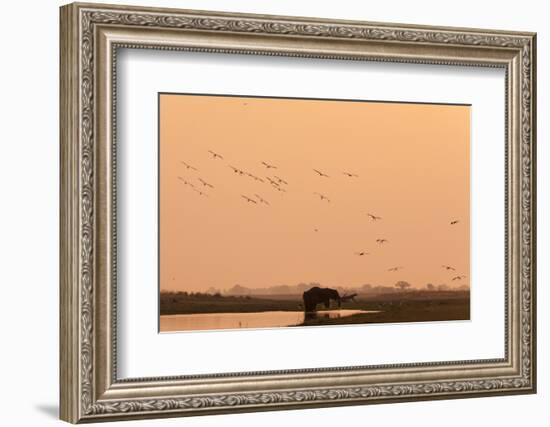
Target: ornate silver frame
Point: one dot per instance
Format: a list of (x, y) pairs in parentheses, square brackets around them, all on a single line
[(90, 36)]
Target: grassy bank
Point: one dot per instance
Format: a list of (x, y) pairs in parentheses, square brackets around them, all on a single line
[(174, 303), (402, 310), (412, 306)]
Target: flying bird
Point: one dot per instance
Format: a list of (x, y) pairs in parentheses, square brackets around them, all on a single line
[(351, 175), (458, 277), (261, 199), (267, 165), (280, 180), (236, 170), (272, 182), (448, 267), (322, 197), (215, 155), (254, 177), (395, 268), (188, 166), (200, 192), (381, 241), (456, 221), (186, 182), (361, 253), (206, 184), (321, 173), (374, 217), (248, 199)]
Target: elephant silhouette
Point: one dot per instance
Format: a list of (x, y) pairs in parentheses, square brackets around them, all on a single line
[(317, 295)]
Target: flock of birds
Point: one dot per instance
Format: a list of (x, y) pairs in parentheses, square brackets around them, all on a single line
[(279, 184)]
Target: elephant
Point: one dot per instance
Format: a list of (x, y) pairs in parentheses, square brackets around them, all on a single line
[(317, 295)]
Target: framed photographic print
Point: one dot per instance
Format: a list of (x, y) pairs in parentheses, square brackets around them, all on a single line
[(265, 212)]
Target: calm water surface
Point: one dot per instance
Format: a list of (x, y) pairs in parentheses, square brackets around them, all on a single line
[(265, 319)]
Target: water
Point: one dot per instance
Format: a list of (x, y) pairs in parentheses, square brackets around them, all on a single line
[(265, 319)]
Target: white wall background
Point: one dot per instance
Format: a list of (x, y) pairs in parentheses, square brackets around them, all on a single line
[(29, 171)]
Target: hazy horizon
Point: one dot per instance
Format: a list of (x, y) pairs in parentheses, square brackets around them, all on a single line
[(449, 286), (406, 163)]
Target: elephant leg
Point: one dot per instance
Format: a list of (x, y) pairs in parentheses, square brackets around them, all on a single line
[(309, 305)]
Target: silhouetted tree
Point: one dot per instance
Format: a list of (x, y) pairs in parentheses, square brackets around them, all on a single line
[(430, 287), (402, 285)]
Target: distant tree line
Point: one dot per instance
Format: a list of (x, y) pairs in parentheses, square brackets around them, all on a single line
[(366, 289)]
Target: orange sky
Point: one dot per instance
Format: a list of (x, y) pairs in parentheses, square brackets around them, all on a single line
[(413, 168)]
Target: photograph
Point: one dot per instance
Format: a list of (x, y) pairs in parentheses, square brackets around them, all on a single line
[(296, 212)]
